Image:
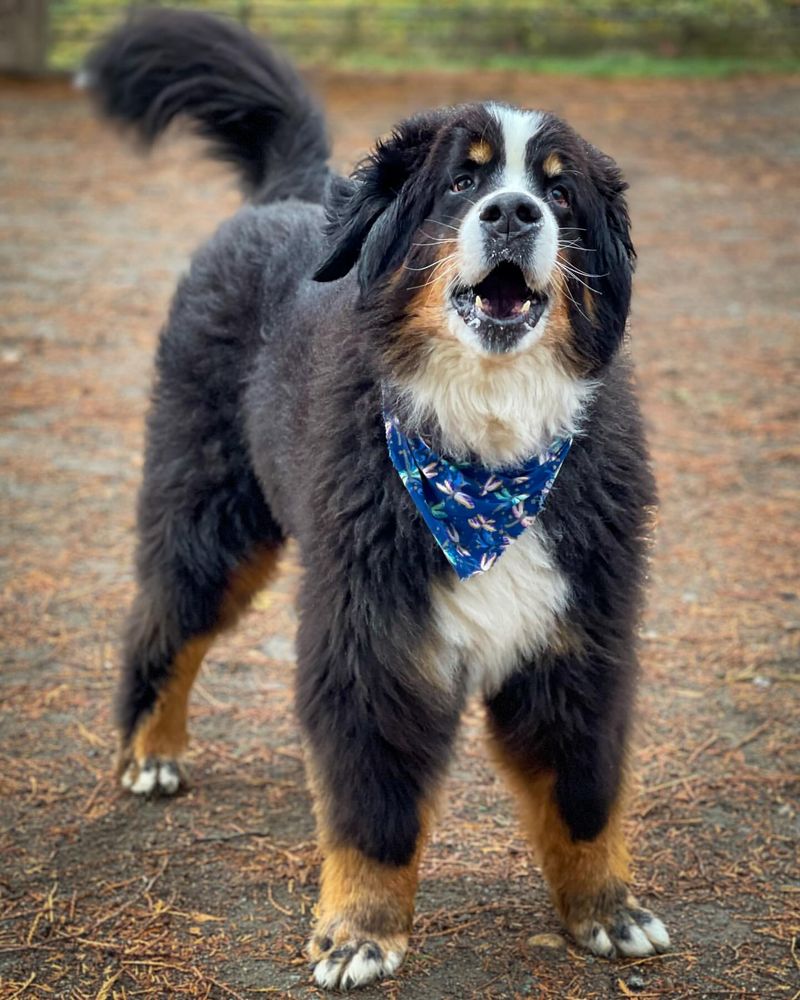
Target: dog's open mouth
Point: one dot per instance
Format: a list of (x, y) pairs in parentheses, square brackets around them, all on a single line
[(501, 307)]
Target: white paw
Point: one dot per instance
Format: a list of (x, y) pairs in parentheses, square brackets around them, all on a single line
[(153, 776), (630, 931), (353, 964)]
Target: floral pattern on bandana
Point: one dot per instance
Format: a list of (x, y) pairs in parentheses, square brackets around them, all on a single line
[(474, 513)]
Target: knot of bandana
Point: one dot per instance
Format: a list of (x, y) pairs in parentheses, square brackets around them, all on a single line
[(474, 513)]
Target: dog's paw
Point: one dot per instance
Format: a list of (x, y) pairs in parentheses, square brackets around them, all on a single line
[(152, 776), (627, 930), (356, 960)]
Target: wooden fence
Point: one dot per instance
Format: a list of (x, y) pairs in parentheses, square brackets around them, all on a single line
[(470, 31)]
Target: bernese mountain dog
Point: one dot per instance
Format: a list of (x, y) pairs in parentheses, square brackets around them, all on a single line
[(419, 373)]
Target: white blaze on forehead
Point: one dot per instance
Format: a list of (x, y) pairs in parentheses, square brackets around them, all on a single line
[(474, 256), (518, 127)]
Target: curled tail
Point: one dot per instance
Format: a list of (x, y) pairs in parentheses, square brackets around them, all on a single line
[(237, 93)]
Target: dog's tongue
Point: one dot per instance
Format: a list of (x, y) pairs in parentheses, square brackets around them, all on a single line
[(502, 306), (503, 293)]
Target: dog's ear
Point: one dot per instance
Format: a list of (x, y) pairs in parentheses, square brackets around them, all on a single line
[(613, 259), (352, 206), (373, 214)]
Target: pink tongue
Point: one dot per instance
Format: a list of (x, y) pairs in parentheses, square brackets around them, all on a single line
[(501, 308)]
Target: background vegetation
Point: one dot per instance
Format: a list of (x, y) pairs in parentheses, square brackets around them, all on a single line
[(609, 37)]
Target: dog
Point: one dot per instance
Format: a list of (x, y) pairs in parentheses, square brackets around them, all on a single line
[(419, 373)]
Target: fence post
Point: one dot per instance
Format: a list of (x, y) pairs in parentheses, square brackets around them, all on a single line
[(23, 36)]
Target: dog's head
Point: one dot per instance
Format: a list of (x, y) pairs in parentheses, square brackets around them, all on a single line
[(499, 227)]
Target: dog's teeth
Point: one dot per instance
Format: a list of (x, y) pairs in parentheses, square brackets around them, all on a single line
[(526, 307), (478, 302)]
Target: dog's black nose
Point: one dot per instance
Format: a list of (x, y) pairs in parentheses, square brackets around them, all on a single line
[(511, 214)]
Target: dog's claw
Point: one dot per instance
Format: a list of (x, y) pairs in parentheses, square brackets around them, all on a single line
[(629, 931), (355, 962)]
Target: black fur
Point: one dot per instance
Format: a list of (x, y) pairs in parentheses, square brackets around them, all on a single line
[(604, 252), (267, 422), (374, 214), (201, 512)]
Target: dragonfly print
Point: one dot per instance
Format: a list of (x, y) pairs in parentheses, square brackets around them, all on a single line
[(474, 513)]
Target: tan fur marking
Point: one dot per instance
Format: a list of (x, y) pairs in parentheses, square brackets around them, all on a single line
[(480, 152), (426, 320), (559, 336), (245, 583), (552, 165), (589, 305), (162, 732), (587, 879), (365, 894), (560, 313), (361, 897), (566, 640)]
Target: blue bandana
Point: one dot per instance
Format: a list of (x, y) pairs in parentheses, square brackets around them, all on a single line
[(474, 513)]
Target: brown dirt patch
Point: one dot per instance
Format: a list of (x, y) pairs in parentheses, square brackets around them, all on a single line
[(209, 895)]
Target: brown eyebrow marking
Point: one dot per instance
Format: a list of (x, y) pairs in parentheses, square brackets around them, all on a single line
[(480, 152), (552, 165)]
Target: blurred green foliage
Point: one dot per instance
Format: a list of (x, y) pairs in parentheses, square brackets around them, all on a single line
[(606, 37)]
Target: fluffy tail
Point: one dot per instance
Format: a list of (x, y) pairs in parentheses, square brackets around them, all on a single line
[(237, 93)]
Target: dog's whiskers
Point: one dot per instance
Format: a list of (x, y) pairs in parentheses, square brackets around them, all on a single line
[(565, 270), (446, 278), (434, 240), (565, 288), (575, 245), (436, 263), (437, 278), (576, 271), (586, 274), (441, 277), (436, 222)]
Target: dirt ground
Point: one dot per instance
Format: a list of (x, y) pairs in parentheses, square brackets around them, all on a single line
[(210, 895)]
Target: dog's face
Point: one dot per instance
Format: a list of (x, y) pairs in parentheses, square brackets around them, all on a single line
[(492, 225)]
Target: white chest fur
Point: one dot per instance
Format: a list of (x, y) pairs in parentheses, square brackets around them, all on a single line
[(487, 623)]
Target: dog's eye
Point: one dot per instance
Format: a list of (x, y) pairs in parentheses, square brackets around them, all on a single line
[(559, 196), (462, 183)]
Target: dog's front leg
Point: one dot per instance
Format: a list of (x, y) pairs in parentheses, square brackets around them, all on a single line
[(364, 914), (378, 733), (559, 730)]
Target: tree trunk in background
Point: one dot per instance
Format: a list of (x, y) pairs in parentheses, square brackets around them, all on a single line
[(23, 36)]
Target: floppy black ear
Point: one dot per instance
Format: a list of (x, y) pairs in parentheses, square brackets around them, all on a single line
[(613, 257), (373, 214), (352, 206)]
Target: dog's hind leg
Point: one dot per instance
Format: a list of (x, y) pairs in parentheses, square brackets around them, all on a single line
[(207, 538), (172, 625), (558, 731)]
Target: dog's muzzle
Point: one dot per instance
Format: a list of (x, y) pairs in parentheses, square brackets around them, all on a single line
[(509, 247)]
